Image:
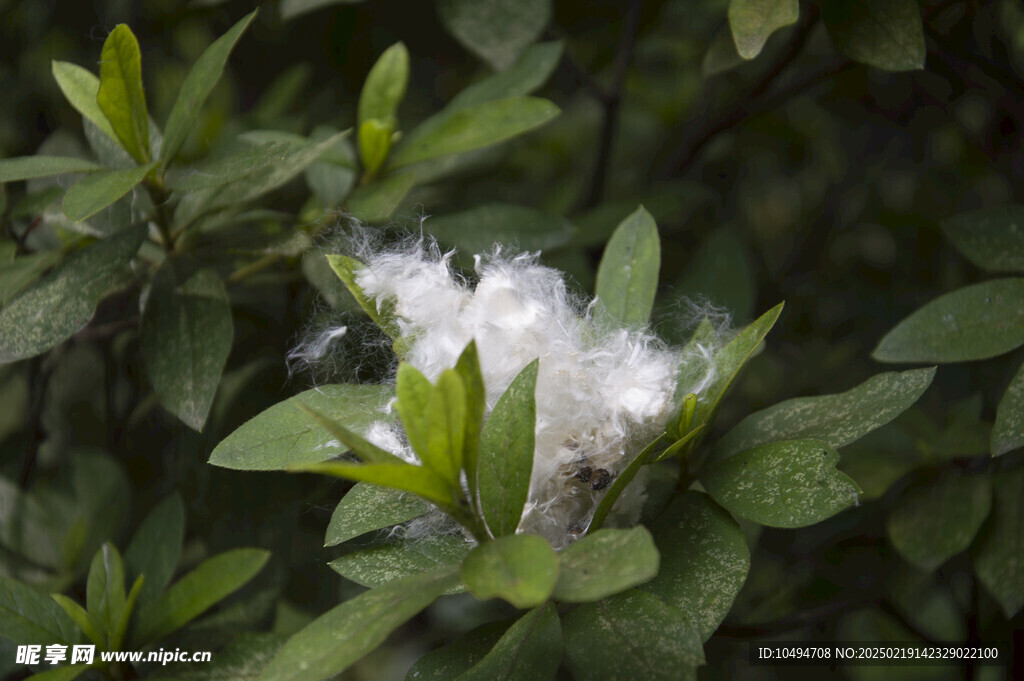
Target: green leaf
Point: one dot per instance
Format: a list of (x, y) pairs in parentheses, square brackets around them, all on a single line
[(468, 368), (506, 454), (632, 635), (120, 94), (975, 322), (604, 563), (414, 393), (451, 660), (836, 419), (1008, 431), (229, 168), (446, 436), (283, 435), (887, 34), (933, 522), (28, 167), (999, 553), (384, 563), (627, 277), (530, 71), (18, 273), (120, 627), (156, 547), (382, 314), (197, 87), (991, 238), (531, 650), (519, 568), (472, 127), (496, 31), (214, 580), (720, 271), (332, 177), (477, 230), (292, 8), (81, 87), (105, 596), (752, 21), (89, 626), (782, 484), (341, 636), (66, 673), (405, 476), (384, 89), (367, 507), (98, 190), (30, 617), (374, 144), (704, 560), (185, 334), (377, 201), (63, 301)]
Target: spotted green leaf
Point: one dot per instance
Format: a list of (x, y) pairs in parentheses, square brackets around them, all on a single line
[(120, 94)]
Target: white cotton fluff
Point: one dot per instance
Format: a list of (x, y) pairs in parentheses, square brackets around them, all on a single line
[(602, 392)]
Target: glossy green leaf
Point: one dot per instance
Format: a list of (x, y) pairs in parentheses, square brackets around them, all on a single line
[(721, 271), (197, 87), (384, 89), (416, 479), (155, 549), (752, 21), (98, 190), (531, 650), (1008, 431), (530, 71), (214, 580), (234, 166), (976, 322), (447, 435), (627, 277), (120, 94), (496, 31), (377, 201), (344, 634), (792, 483), (632, 635), (104, 591), (30, 617), (934, 521), (186, 333), (836, 419), (999, 552), (604, 563), (385, 563), (80, 87), (293, 8), (887, 34), (367, 507), (477, 230), (505, 462), (704, 560), (472, 127), (93, 630), (414, 393), (991, 238), (27, 167), (468, 368), (283, 435), (374, 144), (63, 301), (360, 446), (519, 568)]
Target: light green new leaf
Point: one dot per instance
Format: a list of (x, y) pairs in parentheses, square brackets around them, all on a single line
[(999, 553), (120, 94), (505, 462), (336, 639), (472, 127), (934, 521), (497, 31), (30, 617), (283, 435), (836, 419), (185, 334), (519, 568), (211, 582), (292, 8), (704, 560), (414, 393), (367, 507), (28, 167), (752, 21), (627, 277), (104, 591), (385, 563), (63, 301), (468, 368), (1008, 431), (792, 483), (382, 314), (197, 87), (80, 87), (531, 650), (632, 635), (89, 626), (98, 190), (976, 322), (477, 230), (887, 34), (120, 628), (604, 563), (533, 68), (377, 201), (404, 476), (446, 436), (384, 88), (991, 238), (156, 547), (374, 144)]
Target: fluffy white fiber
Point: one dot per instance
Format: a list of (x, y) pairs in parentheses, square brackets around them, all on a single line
[(602, 392)]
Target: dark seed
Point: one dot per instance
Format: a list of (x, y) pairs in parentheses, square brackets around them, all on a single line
[(585, 473), (601, 479)]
